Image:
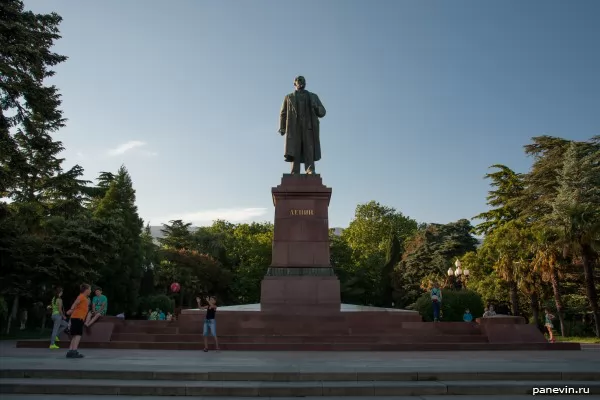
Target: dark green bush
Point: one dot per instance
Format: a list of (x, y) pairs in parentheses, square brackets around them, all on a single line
[(454, 303), (161, 302)]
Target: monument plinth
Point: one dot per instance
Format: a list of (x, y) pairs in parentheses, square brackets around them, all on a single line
[(300, 279)]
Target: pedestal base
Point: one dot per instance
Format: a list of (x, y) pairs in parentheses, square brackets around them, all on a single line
[(316, 295)]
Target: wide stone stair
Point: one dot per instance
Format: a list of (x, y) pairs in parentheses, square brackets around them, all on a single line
[(15, 383), (347, 332)]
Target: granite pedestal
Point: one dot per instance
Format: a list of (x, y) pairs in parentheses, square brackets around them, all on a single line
[(300, 279)]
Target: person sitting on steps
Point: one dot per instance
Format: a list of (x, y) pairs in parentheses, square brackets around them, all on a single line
[(99, 306)]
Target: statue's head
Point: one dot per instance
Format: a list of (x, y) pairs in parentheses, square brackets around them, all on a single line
[(299, 83)]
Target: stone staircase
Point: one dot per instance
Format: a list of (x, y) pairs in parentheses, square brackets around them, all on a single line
[(361, 331)]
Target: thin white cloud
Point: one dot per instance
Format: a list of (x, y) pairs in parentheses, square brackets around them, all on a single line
[(203, 218), (125, 147)]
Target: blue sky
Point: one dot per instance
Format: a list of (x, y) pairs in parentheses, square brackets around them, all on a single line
[(421, 97)]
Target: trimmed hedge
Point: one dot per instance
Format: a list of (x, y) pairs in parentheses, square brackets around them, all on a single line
[(454, 303)]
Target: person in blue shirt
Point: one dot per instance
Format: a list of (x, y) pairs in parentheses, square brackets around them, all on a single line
[(161, 315), (467, 317), (436, 301), (99, 307)]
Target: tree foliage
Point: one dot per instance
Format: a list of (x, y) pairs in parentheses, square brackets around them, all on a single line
[(430, 252)]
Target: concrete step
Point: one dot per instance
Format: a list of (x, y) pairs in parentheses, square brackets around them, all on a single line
[(295, 376), (388, 339), (85, 387), (311, 346), (323, 329)]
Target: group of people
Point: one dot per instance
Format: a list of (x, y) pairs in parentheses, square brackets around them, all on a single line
[(436, 301), (82, 315), (159, 315)]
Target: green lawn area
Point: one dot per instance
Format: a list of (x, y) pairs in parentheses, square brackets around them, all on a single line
[(577, 339)]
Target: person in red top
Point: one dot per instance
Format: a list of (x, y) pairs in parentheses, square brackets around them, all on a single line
[(78, 313)]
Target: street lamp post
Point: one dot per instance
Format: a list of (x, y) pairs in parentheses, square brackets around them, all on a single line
[(457, 274)]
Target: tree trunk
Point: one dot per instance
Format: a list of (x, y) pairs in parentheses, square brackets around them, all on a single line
[(558, 300), (44, 318), (13, 313), (535, 309), (588, 271), (514, 297)]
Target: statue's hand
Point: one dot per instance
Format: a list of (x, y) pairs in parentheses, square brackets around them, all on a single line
[(282, 131)]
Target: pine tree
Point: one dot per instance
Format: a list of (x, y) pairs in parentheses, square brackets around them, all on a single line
[(177, 235), (508, 188), (121, 277), (29, 164), (31, 173)]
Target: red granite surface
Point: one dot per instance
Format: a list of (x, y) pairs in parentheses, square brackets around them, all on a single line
[(301, 240)]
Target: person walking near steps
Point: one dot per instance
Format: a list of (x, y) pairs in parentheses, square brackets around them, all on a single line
[(436, 301), (58, 317), (78, 313)]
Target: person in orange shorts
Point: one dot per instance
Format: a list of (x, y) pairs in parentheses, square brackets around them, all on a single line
[(78, 313)]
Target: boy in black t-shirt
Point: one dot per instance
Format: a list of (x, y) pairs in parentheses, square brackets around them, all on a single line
[(210, 323)]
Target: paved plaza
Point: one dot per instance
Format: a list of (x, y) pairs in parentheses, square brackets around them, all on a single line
[(33, 374), (238, 361)]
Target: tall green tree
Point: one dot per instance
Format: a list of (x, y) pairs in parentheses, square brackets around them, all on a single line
[(548, 261), (121, 278), (429, 253), (352, 281), (393, 255), (31, 172), (576, 211), (151, 259), (508, 187), (26, 104), (508, 248), (541, 181), (177, 235), (367, 235), (252, 250), (30, 168)]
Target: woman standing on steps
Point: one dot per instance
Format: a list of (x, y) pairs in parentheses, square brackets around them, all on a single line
[(210, 323), (58, 317)]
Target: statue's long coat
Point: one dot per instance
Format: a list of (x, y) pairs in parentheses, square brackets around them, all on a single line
[(288, 123)]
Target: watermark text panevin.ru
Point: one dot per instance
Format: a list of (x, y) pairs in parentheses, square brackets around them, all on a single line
[(560, 390)]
